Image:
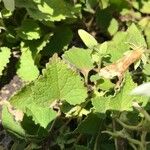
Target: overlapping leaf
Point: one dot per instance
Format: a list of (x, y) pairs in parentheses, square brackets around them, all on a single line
[(58, 82), (41, 115), (137, 40), (49, 10), (122, 42), (29, 30), (121, 101), (59, 40)]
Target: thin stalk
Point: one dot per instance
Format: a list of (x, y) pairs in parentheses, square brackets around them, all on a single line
[(138, 127), (141, 110), (143, 140), (114, 130), (118, 134), (98, 137), (133, 146)]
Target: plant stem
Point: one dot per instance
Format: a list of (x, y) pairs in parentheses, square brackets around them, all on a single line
[(98, 136), (114, 130), (138, 127), (119, 134), (143, 140)]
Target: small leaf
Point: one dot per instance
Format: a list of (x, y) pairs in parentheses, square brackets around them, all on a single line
[(113, 27), (4, 57), (145, 7), (104, 3), (135, 36), (9, 4), (88, 39), (79, 57), (29, 30), (41, 115), (27, 71)]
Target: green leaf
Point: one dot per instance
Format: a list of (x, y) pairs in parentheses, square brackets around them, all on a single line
[(104, 3), (145, 7), (9, 4), (81, 147), (36, 46), (103, 18), (59, 41), (137, 40), (118, 5), (118, 46), (41, 115), (121, 101), (29, 30), (88, 39), (90, 5), (27, 71), (4, 57), (122, 41), (10, 124), (113, 27), (49, 10), (146, 69), (90, 125), (147, 34), (79, 57), (23, 98), (59, 83)]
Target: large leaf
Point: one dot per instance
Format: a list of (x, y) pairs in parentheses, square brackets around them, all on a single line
[(59, 83), (4, 58), (121, 101)]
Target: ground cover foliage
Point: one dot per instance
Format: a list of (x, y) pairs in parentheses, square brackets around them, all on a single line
[(79, 61)]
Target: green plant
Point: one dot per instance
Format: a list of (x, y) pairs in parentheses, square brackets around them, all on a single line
[(68, 103)]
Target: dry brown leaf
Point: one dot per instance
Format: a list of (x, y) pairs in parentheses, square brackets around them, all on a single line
[(120, 67)]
